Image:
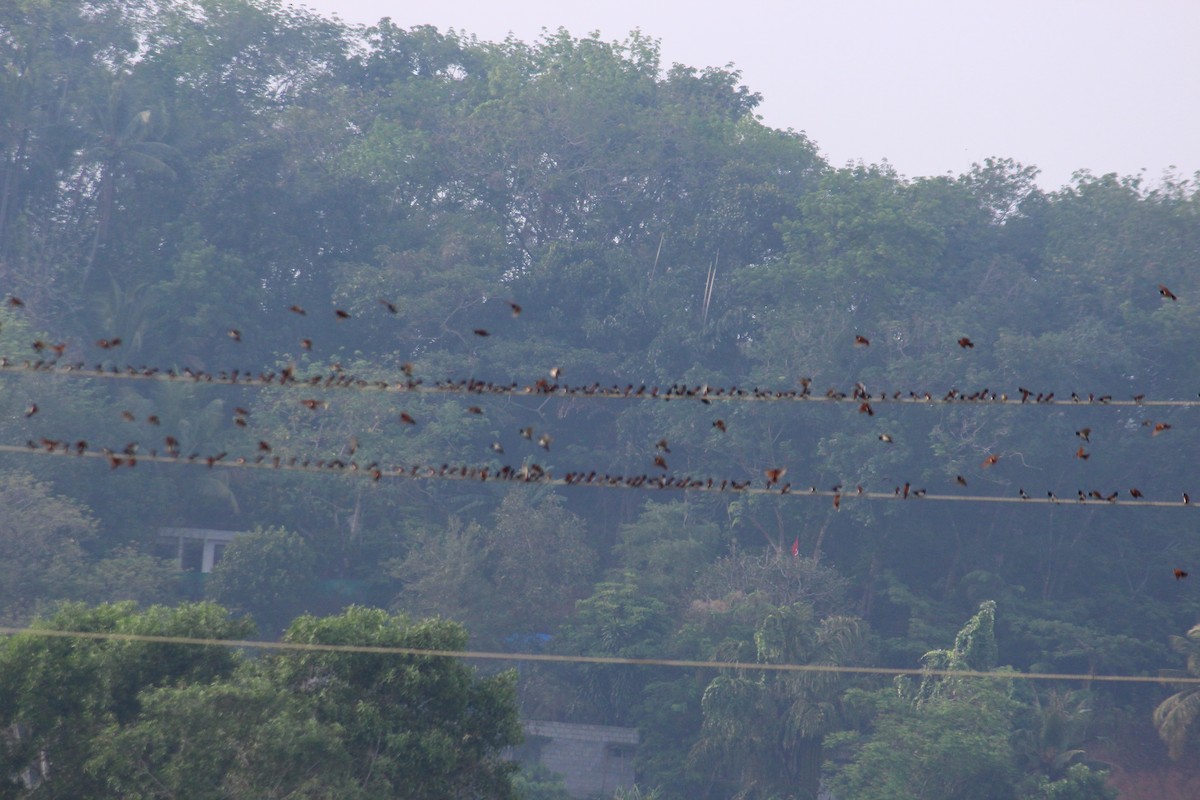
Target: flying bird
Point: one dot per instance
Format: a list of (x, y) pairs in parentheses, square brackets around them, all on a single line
[(965, 343), (719, 425), (516, 309), (15, 302), (407, 418), (990, 461), (235, 334), (481, 332), (544, 441), (1166, 293), (1084, 433), (526, 433), (1135, 492), (773, 475), (556, 373), (1159, 427), (662, 445), (340, 314), (960, 480), (389, 305), (306, 344), (1081, 453), (661, 463), (861, 341), (885, 438), (33, 409), (297, 310), (1180, 574)]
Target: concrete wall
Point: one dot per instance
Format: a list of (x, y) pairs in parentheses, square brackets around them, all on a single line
[(591, 758)]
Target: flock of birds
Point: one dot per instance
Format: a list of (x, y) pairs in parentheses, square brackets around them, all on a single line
[(50, 357)]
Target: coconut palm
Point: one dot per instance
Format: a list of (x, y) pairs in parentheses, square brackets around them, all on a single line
[(770, 728), (1176, 715)]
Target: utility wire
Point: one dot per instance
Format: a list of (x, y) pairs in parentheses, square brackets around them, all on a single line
[(534, 474), (582, 659), (286, 378)]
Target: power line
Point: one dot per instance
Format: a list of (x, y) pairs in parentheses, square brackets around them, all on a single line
[(857, 394), (583, 659), (531, 473)]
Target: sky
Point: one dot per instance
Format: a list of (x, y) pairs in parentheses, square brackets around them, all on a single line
[(930, 86)]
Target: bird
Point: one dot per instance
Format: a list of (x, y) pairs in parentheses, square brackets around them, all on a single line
[(1084, 433), (128, 416), (474, 410), (965, 343), (481, 332), (837, 502), (865, 408), (389, 305), (306, 344), (556, 372), (407, 418), (297, 310), (662, 445), (1166, 293), (1135, 492), (1081, 453), (31, 410), (885, 438), (153, 419), (340, 314), (660, 462), (105, 344), (497, 447), (544, 441), (1159, 427), (960, 480), (990, 461), (773, 475), (15, 302), (235, 334), (861, 341), (719, 425), (1186, 500), (311, 404), (516, 309), (1179, 574), (526, 433)]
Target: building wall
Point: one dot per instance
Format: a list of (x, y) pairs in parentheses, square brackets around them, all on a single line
[(591, 758)]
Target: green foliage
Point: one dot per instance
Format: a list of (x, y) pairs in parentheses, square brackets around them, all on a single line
[(1176, 716), (42, 538), (268, 573), (145, 719)]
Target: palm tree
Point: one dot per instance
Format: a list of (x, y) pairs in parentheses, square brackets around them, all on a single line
[(770, 728), (1176, 715)]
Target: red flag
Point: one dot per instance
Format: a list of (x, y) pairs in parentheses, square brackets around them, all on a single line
[(796, 547)]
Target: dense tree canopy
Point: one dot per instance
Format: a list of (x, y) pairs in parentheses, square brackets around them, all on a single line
[(198, 187)]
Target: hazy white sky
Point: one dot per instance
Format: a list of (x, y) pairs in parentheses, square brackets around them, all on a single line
[(929, 85)]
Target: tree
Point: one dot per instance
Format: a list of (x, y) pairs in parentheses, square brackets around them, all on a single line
[(948, 737), (269, 573), (764, 734), (59, 694), (41, 544), (1176, 716), (421, 727)]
